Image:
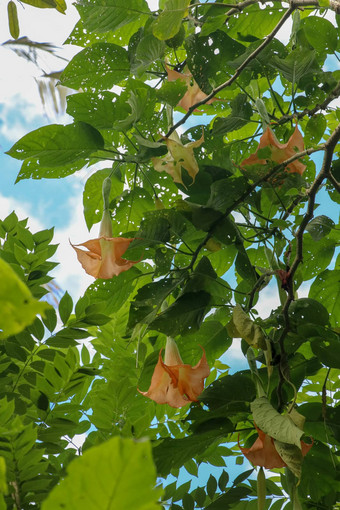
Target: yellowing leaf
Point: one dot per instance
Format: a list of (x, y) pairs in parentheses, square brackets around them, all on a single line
[(13, 19), (179, 156), (242, 326), (297, 418), (18, 308), (291, 455), (277, 426)]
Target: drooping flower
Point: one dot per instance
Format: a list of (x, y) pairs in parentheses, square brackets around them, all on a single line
[(279, 151), (263, 452), (193, 94), (103, 258), (174, 382), (178, 156)]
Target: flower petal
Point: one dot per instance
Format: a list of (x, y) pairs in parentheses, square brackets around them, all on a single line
[(263, 452), (177, 385), (279, 152), (104, 256)]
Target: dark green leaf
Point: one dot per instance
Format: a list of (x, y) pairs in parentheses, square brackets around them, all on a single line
[(184, 315), (326, 289), (241, 112), (230, 388), (65, 307), (319, 227)]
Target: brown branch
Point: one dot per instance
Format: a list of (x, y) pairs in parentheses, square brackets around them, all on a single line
[(271, 173), (310, 112), (238, 71), (329, 148), (333, 180), (334, 5)]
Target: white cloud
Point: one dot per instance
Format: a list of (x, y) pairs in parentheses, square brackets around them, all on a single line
[(22, 209)]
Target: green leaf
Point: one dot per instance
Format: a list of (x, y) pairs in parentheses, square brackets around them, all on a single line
[(13, 21), (327, 350), (296, 65), (247, 329), (229, 498), (42, 4), (258, 23), (211, 486), (169, 21), (277, 426), (60, 5), (227, 389), (319, 227), (225, 192), (102, 111), (149, 50), (326, 289), (184, 315), (65, 307), (101, 66), (56, 145), (173, 453), (308, 310), (315, 129), (92, 196), (321, 34), (241, 112), (18, 308), (206, 56), (122, 468), (109, 15), (171, 92)]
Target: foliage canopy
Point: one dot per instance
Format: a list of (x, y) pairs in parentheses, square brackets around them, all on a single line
[(220, 138)]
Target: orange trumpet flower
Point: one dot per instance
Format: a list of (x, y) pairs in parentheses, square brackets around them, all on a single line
[(194, 94), (263, 452), (279, 151), (104, 256), (174, 382)]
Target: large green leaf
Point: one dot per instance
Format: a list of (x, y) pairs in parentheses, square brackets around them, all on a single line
[(308, 310), (18, 308), (101, 66), (108, 15), (100, 110), (206, 56), (169, 21), (256, 23), (230, 388), (321, 33), (184, 315), (56, 145), (296, 65), (117, 474), (241, 112), (278, 426), (173, 453), (326, 289), (225, 192)]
